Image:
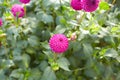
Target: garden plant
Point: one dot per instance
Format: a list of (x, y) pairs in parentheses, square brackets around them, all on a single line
[(59, 40)]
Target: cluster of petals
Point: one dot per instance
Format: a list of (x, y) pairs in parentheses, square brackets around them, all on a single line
[(58, 43), (86, 5), (18, 10), (76, 4)]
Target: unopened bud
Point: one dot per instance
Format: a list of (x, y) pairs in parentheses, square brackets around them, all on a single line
[(73, 37)]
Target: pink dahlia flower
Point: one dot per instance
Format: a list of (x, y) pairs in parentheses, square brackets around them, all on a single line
[(24, 1), (1, 22), (76, 4), (58, 43), (18, 10), (90, 5)]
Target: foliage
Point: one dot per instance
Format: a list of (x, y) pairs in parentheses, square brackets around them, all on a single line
[(25, 52)]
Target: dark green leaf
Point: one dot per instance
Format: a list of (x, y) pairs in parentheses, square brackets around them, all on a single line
[(48, 74), (63, 63)]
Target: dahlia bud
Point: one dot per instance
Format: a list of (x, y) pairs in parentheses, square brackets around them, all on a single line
[(73, 37)]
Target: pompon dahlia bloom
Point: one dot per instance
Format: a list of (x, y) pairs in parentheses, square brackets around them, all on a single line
[(1, 22), (76, 4), (18, 10), (58, 43), (90, 5), (24, 1)]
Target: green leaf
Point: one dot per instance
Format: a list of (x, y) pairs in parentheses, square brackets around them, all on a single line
[(104, 6), (110, 40), (46, 3), (118, 76), (43, 65), (17, 74), (45, 45), (87, 48), (45, 35), (17, 54), (90, 73), (33, 41), (118, 58), (22, 44), (26, 60), (114, 29), (47, 18), (49, 54), (2, 76), (2, 51), (1, 31), (16, 51), (60, 20), (35, 74), (7, 63), (111, 53), (63, 63), (48, 74), (30, 50), (60, 29)]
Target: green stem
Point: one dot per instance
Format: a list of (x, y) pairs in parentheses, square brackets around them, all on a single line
[(25, 10), (60, 5), (113, 2), (81, 18), (79, 69), (17, 21), (55, 57)]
